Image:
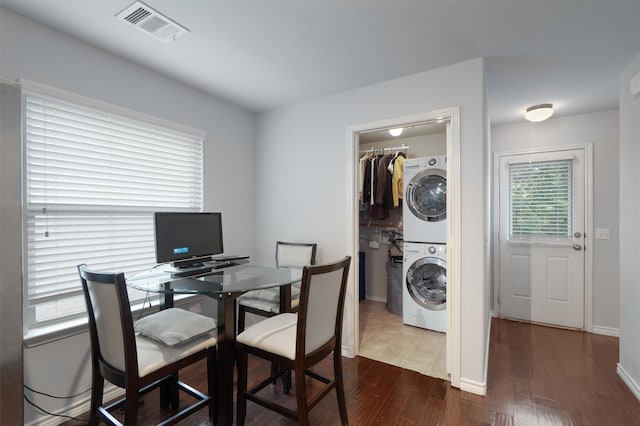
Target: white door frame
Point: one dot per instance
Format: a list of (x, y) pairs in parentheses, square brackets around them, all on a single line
[(588, 240), (453, 227)]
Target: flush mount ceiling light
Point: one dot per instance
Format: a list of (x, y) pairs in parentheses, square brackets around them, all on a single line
[(396, 132), (538, 113)]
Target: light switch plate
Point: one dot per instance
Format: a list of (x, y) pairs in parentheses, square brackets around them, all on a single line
[(374, 244), (602, 234)]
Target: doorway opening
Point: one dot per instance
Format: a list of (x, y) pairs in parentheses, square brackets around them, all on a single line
[(393, 325), (379, 287)]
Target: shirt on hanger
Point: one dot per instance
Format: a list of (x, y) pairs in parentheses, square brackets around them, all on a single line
[(398, 172)]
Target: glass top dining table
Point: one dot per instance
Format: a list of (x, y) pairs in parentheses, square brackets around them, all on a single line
[(224, 285), (236, 279)]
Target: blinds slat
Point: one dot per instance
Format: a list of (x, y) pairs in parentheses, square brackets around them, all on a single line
[(540, 198), (93, 181)]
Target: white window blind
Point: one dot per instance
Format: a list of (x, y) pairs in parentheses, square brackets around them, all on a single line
[(93, 180), (540, 201)]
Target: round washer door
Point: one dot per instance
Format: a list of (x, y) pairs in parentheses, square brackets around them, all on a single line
[(426, 195), (427, 283)]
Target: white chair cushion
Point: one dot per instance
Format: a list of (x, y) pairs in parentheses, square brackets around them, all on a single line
[(174, 326), (262, 305), (269, 295), (153, 354), (276, 335), (268, 299)]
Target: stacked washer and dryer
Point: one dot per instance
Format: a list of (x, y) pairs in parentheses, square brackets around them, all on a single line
[(424, 299)]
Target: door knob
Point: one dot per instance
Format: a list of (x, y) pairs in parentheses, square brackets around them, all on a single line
[(577, 247), (577, 235)]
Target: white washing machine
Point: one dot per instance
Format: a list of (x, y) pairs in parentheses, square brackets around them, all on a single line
[(424, 297), (424, 209)]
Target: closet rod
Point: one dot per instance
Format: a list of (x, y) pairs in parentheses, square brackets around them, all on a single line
[(391, 148)]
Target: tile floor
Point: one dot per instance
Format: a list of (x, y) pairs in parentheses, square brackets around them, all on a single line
[(383, 337)]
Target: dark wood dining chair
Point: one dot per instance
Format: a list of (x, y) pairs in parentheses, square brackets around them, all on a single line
[(298, 341), (138, 363), (266, 302)]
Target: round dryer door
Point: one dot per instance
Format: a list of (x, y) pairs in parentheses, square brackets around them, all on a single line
[(427, 283), (427, 195)]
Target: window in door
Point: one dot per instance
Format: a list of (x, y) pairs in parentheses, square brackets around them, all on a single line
[(540, 199)]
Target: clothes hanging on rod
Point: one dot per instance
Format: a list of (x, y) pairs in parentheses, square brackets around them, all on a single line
[(397, 176), (380, 179)]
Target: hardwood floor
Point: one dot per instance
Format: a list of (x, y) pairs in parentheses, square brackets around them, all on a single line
[(542, 375), (537, 376)]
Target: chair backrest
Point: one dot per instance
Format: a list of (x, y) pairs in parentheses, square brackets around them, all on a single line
[(113, 345), (321, 308), (295, 255)]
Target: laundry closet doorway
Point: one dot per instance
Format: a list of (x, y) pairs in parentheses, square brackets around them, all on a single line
[(383, 334)]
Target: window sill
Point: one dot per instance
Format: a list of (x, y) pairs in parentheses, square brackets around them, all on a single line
[(66, 329)]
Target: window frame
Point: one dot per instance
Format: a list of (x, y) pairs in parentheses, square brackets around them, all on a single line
[(76, 323)]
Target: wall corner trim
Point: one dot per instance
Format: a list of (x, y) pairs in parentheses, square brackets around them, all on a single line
[(472, 386), (486, 355), (628, 380), (634, 85)]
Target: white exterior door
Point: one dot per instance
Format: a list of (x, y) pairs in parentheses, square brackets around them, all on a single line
[(541, 237)]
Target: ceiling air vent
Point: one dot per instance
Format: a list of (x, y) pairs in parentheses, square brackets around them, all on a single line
[(151, 22)]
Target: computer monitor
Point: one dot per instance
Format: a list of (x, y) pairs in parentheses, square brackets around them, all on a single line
[(187, 239)]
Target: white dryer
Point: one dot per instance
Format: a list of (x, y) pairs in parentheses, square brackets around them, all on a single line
[(424, 298), (424, 209)]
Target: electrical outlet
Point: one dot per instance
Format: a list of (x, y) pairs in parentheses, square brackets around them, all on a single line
[(374, 244)]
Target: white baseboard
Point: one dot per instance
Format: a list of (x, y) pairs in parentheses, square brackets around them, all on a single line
[(78, 409), (606, 331), (628, 380), (376, 299), (479, 388), (473, 386)]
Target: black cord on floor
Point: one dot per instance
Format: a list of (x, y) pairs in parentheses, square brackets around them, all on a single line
[(54, 396), (82, 421)]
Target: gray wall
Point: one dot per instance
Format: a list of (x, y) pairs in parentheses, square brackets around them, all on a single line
[(629, 366), (34, 52), (601, 129)]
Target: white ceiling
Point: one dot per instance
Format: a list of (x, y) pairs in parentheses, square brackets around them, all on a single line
[(264, 54)]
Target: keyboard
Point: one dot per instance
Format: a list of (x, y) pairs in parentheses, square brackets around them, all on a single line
[(228, 258), (226, 264), (191, 272)]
